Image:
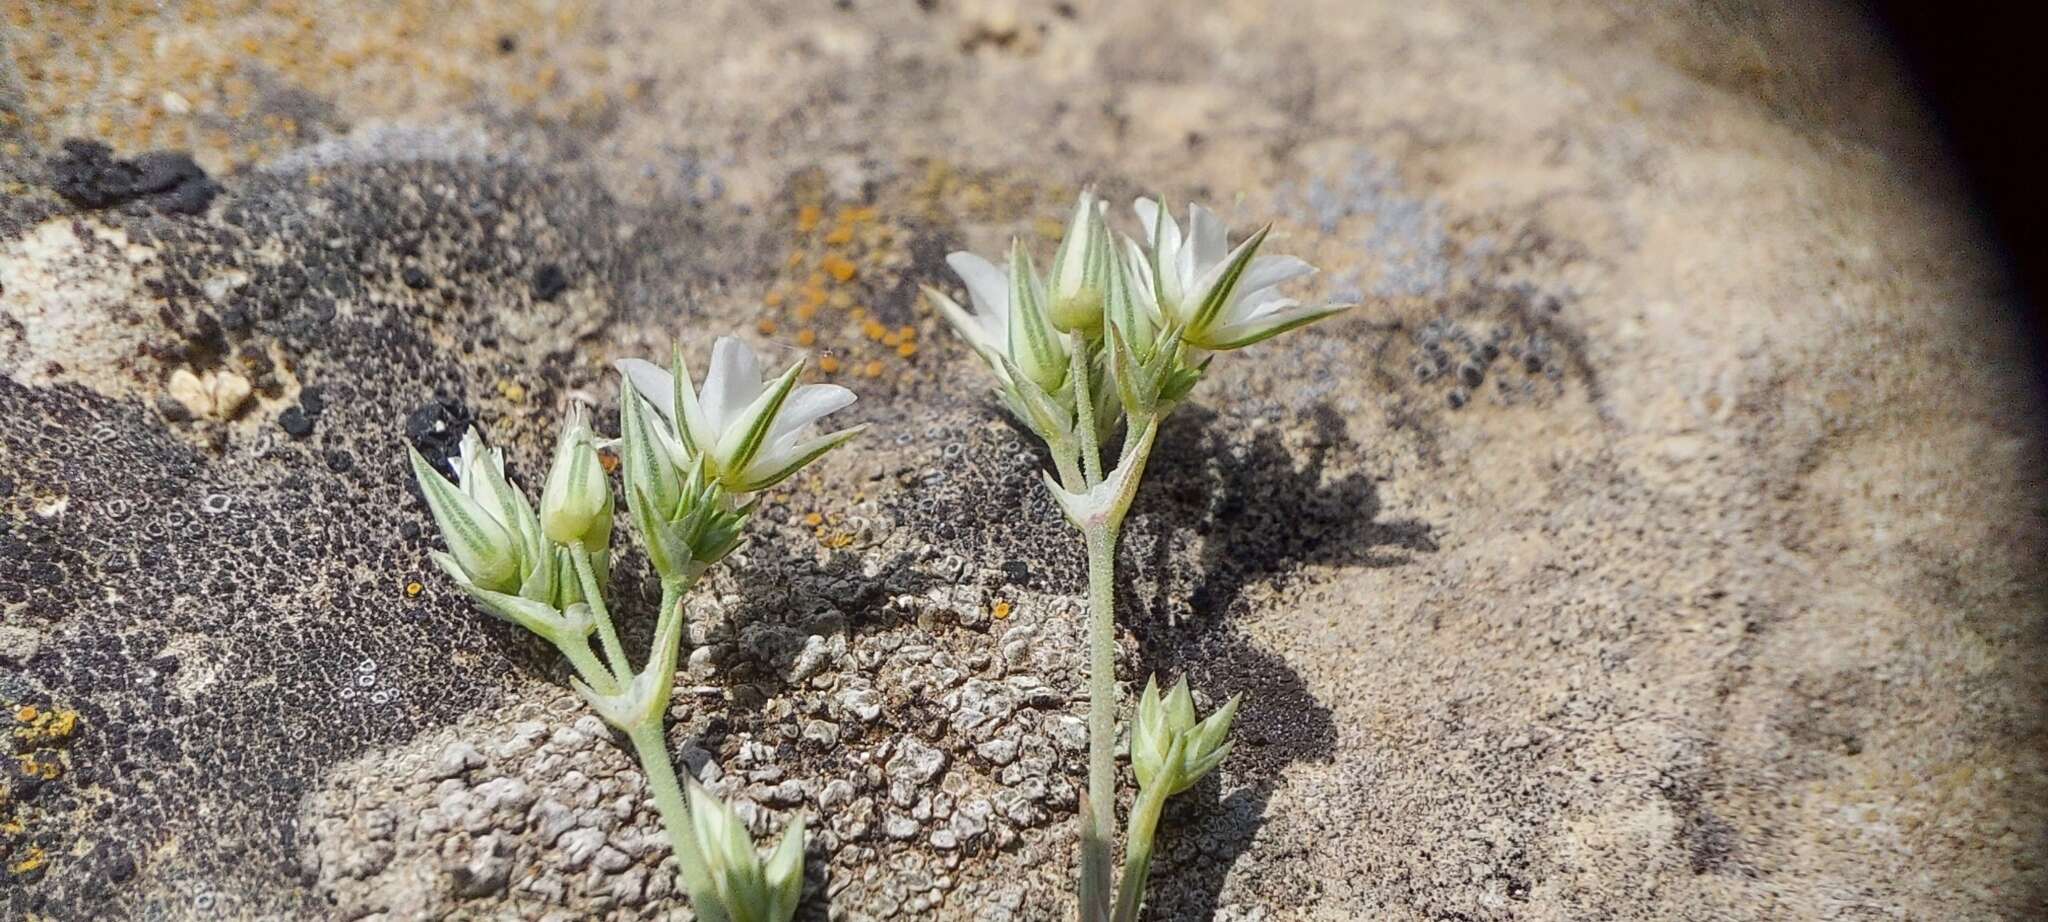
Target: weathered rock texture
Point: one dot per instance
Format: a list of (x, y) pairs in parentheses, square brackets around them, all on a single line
[(1660, 540)]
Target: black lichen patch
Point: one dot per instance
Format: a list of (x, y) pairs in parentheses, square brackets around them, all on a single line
[(979, 495), (230, 617), (549, 281), (435, 429), (89, 175)]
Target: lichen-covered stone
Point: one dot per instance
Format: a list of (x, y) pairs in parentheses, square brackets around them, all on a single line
[(1652, 541)]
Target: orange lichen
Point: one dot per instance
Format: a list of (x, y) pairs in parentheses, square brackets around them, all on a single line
[(766, 326), (32, 860), (814, 520), (829, 365), (807, 218), (841, 268), (806, 336), (414, 588), (1000, 610), (842, 234)]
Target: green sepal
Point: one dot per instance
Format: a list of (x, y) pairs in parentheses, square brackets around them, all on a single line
[(1293, 323), (645, 464), (1219, 293), (1034, 344), (760, 416), (478, 542), (819, 447)]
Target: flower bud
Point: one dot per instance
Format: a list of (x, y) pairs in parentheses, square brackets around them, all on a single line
[(1169, 749), (732, 880), (1080, 269), (576, 503), (648, 454), (1035, 345), (482, 549)]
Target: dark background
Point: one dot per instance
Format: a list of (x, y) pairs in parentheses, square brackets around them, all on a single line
[(1980, 68)]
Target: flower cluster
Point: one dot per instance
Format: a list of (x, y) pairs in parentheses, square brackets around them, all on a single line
[(1116, 335), (691, 460), (1119, 329)]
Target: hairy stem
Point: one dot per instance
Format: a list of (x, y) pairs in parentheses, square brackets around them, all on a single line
[(613, 651), (588, 668), (1064, 461), (1138, 853), (1098, 828)]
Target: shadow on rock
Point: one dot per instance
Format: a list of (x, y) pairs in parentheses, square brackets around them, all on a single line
[(1244, 510)]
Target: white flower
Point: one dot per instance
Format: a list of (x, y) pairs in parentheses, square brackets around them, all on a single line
[(1009, 326), (1222, 298), (751, 433)]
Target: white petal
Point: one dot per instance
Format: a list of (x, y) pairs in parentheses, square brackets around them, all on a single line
[(1279, 312), (655, 384), (1198, 290), (1257, 289), (467, 455), (1208, 238), (1141, 279), (989, 287), (1268, 271), (1168, 237), (1258, 304), (971, 327), (807, 405), (733, 382)]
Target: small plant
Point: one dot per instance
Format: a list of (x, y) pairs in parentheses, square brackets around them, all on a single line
[(691, 461), (1115, 337)]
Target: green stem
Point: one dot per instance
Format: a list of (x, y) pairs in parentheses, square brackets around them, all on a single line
[(651, 745), (621, 666), (1099, 825), (1138, 835), (593, 673), (1084, 409), (1069, 468)]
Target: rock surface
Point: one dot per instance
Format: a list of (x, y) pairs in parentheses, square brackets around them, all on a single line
[(1660, 540)]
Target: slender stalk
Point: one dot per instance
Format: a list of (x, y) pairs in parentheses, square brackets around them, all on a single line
[(1084, 409), (1098, 829), (621, 666), (593, 672), (1069, 468), (651, 745), (1144, 824)]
